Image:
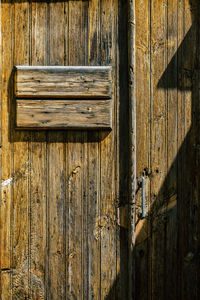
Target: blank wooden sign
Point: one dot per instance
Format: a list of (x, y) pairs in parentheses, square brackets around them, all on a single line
[(63, 97)]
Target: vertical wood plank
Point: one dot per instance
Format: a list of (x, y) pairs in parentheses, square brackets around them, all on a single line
[(6, 166), (21, 164), (181, 135), (188, 206), (188, 243), (93, 166), (107, 154), (56, 168), (85, 178), (172, 150), (77, 162), (38, 165), (122, 196), (196, 207), (142, 253), (158, 145)]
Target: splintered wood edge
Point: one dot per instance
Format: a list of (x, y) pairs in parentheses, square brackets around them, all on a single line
[(73, 68)]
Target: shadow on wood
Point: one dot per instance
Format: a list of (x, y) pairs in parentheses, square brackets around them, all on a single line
[(169, 237)]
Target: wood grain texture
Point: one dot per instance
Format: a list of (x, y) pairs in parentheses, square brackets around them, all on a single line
[(6, 158), (87, 114), (167, 247), (107, 152), (56, 151), (171, 232), (132, 144), (38, 163), (94, 241), (60, 235), (76, 156), (143, 77), (188, 207), (20, 212), (63, 82), (122, 175), (180, 160), (158, 147)]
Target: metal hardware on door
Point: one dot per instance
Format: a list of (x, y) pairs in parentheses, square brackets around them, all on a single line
[(142, 183)]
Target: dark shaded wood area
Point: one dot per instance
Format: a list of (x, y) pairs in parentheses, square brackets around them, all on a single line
[(168, 108), (64, 193)]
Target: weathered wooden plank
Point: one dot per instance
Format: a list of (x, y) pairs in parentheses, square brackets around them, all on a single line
[(94, 284), (38, 162), (63, 114), (56, 202), (76, 161), (132, 144), (158, 147), (63, 82), (172, 149), (66, 205), (188, 205), (142, 249), (180, 157), (56, 283), (122, 154), (21, 164), (108, 274), (195, 207), (6, 153)]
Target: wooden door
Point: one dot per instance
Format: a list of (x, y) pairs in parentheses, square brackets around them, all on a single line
[(167, 93), (63, 192)]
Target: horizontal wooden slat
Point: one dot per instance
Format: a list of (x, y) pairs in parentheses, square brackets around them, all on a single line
[(63, 82), (54, 114)]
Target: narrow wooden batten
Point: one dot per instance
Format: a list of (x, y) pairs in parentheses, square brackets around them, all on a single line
[(132, 145)]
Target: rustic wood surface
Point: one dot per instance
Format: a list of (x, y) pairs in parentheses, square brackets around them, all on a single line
[(63, 82), (94, 171), (64, 194), (132, 143), (38, 163), (46, 114), (5, 157), (167, 64), (63, 218), (20, 207)]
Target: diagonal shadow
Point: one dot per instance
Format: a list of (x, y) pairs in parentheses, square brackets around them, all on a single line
[(174, 216)]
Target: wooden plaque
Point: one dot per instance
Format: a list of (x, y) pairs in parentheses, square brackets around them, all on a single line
[(63, 97)]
